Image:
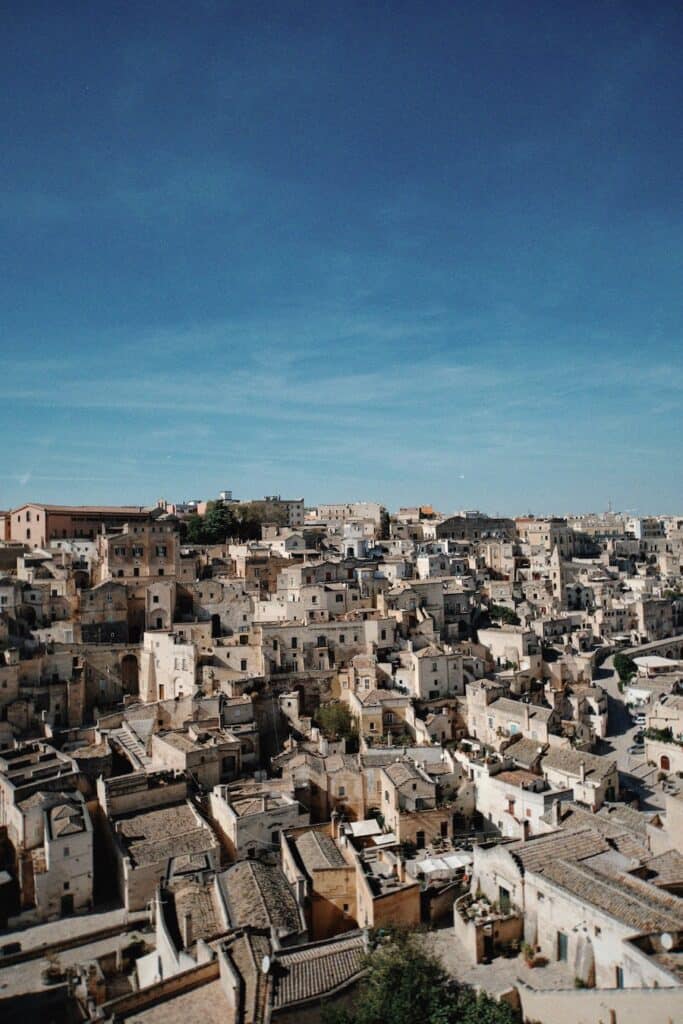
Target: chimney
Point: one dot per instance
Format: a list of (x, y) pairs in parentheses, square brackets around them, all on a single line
[(186, 929), (582, 771), (556, 813), (526, 716)]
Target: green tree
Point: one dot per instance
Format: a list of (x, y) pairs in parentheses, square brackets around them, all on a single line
[(249, 520), (405, 983), (336, 722), (194, 530), (500, 612), (218, 523), (624, 666)]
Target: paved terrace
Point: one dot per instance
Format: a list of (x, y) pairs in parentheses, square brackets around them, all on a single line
[(499, 975)]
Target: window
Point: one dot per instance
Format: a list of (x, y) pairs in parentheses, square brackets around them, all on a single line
[(620, 977), (66, 851), (161, 572), (563, 947), (243, 665), (342, 791), (155, 599), (294, 643), (67, 886), (136, 571), (339, 598), (342, 638), (345, 907), (161, 550), (383, 634)]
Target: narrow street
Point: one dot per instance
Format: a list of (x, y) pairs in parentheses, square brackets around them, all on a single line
[(634, 772)]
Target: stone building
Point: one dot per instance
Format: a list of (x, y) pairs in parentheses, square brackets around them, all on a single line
[(35, 524), (143, 549)]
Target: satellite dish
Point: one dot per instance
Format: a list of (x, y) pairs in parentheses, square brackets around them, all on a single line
[(265, 964), (667, 941)]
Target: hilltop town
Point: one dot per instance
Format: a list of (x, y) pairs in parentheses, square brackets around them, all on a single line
[(242, 741)]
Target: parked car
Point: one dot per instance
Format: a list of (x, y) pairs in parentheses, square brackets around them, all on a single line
[(636, 749), (640, 720), (639, 738)]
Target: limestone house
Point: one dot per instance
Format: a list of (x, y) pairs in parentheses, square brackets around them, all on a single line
[(493, 719), (63, 868), (252, 816), (592, 779), (165, 842), (323, 880), (141, 549), (168, 667), (430, 672), (583, 907), (664, 734)]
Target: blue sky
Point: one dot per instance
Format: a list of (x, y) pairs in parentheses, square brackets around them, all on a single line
[(391, 251)]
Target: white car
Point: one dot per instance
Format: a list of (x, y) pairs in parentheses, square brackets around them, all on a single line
[(640, 720)]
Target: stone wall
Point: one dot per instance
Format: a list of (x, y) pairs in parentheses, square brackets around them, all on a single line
[(602, 1006)]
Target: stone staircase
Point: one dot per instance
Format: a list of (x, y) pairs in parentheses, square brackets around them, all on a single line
[(131, 746)]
